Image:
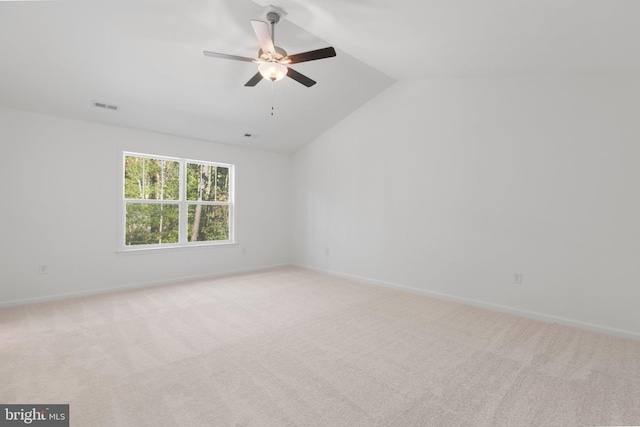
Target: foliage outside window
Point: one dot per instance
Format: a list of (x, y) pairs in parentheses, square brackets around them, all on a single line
[(176, 202)]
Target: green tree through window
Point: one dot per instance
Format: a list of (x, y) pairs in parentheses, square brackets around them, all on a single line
[(169, 201)]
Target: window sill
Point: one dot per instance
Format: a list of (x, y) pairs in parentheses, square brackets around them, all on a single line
[(193, 246)]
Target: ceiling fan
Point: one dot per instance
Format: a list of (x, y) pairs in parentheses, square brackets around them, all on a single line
[(274, 61)]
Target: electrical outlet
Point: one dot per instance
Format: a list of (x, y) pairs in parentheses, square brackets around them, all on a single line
[(43, 269), (517, 278)]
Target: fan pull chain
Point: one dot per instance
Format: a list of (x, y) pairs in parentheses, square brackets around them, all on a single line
[(273, 96)]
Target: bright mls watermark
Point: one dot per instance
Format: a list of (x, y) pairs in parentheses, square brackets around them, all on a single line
[(36, 415)]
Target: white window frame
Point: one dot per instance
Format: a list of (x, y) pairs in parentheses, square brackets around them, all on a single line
[(182, 202)]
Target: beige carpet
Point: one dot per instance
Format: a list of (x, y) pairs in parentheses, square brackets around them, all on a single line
[(294, 347)]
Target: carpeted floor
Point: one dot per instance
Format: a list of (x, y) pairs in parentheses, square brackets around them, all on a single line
[(295, 347)]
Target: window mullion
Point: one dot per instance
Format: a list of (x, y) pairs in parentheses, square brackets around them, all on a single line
[(183, 204)]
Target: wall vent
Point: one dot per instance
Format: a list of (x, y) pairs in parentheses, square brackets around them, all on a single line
[(105, 106)]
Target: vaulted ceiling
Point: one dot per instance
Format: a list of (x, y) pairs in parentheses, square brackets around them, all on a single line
[(145, 56)]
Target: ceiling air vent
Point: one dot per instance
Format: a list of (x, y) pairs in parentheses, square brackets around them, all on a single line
[(105, 106)]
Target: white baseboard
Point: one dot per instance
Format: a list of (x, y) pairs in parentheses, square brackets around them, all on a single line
[(621, 333), (101, 291)]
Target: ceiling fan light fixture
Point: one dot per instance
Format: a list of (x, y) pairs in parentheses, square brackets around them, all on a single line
[(273, 71)]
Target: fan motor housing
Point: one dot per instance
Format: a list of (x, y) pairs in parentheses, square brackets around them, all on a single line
[(279, 51)]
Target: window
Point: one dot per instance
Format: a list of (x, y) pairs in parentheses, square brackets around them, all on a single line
[(175, 202)]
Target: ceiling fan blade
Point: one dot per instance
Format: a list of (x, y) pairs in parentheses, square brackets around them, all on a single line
[(225, 56), (254, 80), (312, 55), (300, 78), (264, 36)]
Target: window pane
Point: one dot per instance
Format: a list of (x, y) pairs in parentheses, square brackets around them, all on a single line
[(222, 184), (207, 223), (155, 179), (201, 182), (148, 224)]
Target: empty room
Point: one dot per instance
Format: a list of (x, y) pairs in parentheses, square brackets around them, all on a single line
[(320, 213)]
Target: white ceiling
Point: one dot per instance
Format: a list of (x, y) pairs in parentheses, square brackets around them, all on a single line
[(417, 39), (145, 56)]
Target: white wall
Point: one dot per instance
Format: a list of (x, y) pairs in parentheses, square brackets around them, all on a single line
[(451, 186), (442, 186), (60, 191)]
